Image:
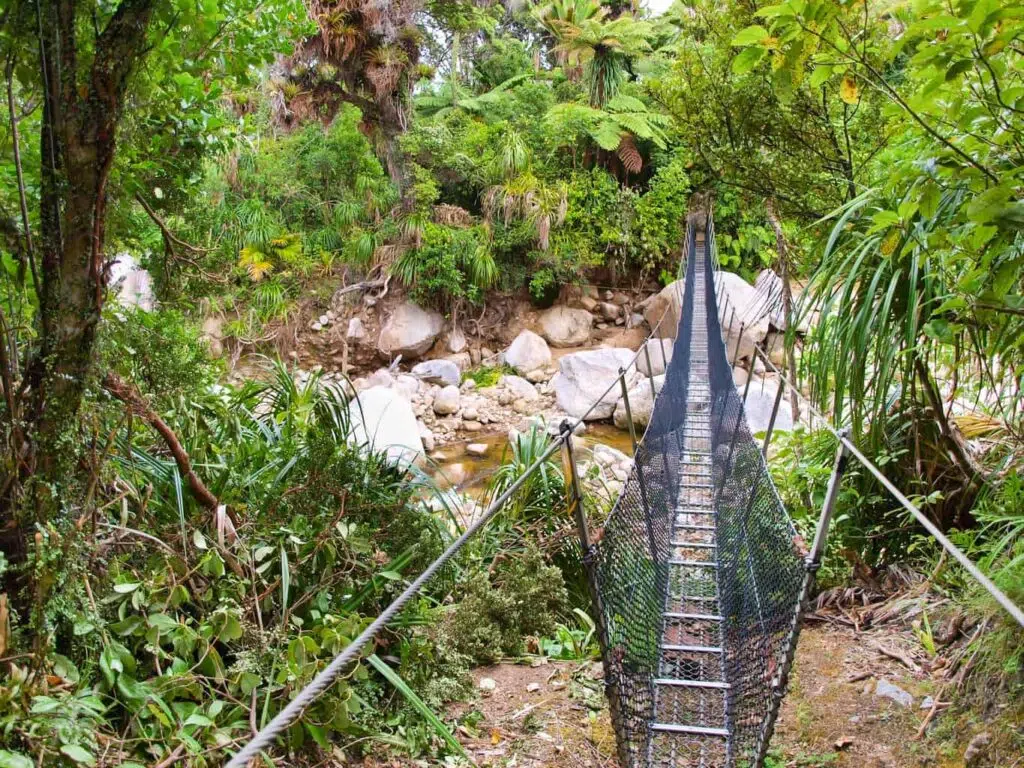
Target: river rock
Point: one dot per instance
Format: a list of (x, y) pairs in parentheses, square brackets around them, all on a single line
[(519, 387), (462, 359), (356, 331), (760, 399), (584, 376), (528, 352), (641, 403), (750, 313), (888, 690), (409, 332), (383, 420), (660, 352), (443, 372), (609, 311), (477, 449), (665, 304), (380, 378), (407, 386), (446, 401), (457, 341), (565, 326), (739, 376)]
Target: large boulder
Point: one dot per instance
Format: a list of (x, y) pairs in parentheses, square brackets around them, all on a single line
[(659, 351), (443, 372), (528, 352), (663, 309), (750, 314), (583, 377), (565, 326), (409, 332), (760, 399), (519, 387), (383, 420), (641, 403)]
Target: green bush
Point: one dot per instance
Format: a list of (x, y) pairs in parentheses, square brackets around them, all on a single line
[(520, 596)]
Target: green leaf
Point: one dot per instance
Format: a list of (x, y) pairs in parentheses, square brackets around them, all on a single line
[(754, 35), (747, 60), (124, 589), (14, 760), (774, 11), (78, 754), (986, 206), (820, 74), (417, 703)]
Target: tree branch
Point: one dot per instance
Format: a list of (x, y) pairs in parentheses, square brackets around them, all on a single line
[(130, 396)]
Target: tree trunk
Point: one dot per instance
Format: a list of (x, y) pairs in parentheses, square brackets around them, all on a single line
[(77, 141), (84, 86)]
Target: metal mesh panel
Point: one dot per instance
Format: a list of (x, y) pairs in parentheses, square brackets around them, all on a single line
[(696, 576)]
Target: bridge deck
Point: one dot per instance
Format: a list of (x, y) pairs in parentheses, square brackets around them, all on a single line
[(689, 726)]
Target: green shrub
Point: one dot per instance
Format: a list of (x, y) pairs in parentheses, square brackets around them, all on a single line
[(520, 596)]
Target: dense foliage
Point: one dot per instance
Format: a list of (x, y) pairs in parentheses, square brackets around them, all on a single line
[(179, 554)]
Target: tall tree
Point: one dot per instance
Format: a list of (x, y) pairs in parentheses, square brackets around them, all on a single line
[(81, 66)]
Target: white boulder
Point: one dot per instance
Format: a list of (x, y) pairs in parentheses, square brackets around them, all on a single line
[(641, 403), (659, 351), (356, 330), (409, 332), (750, 315), (443, 372), (446, 401), (519, 387), (528, 352), (566, 327), (583, 377), (760, 399), (383, 420)]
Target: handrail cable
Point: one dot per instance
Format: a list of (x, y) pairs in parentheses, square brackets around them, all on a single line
[(997, 594)]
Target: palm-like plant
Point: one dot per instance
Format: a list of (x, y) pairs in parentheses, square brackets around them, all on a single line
[(604, 49), (558, 16), (614, 128), (451, 96)]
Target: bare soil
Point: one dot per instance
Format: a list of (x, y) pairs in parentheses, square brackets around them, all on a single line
[(553, 714)]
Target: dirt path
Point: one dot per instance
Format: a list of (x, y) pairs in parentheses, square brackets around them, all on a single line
[(553, 714)]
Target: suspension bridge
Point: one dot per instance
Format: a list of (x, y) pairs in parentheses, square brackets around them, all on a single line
[(699, 579)]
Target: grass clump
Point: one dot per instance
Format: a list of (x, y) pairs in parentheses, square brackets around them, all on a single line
[(489, 375)]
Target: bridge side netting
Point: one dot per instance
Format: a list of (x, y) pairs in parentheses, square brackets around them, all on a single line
[(759, 571), (761, 568), (630, 564)]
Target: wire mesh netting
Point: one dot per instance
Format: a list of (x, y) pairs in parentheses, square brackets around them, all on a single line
[(696, 577)]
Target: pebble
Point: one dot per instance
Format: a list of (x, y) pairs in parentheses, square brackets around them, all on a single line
[(477, 449), (487, 684), (533, 687), (472, 426), (888, 690)]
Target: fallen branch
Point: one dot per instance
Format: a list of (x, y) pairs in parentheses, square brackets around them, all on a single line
[(902, 658), (130, 396)]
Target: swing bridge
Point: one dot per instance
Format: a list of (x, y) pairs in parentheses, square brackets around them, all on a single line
[(699, 580)]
